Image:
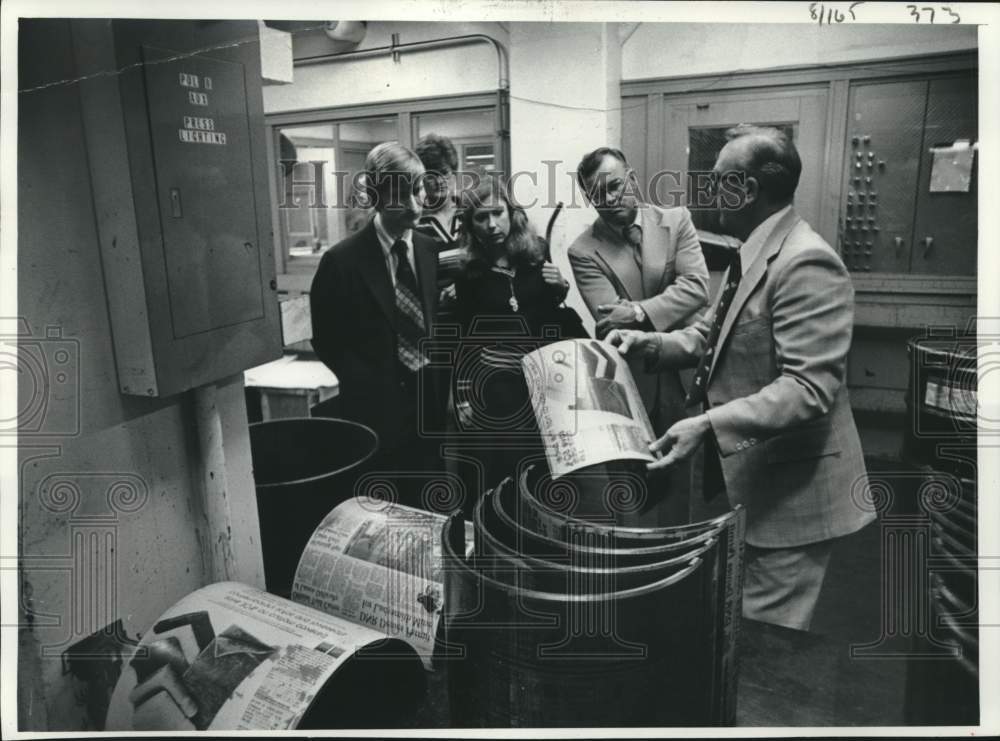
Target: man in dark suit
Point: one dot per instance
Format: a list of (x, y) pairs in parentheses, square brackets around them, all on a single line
[(373, 298), (771, 359), (641, 266)]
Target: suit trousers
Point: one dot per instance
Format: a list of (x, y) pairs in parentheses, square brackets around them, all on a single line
[(781, 585), (411, 457)]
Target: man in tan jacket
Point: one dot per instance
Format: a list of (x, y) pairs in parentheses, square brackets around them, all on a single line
[(771, 361), (640, 266)]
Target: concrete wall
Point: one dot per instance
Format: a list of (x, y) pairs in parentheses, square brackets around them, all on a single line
[(678, 49), (466, 69), (564, 102), (564, 82), (110, 524)]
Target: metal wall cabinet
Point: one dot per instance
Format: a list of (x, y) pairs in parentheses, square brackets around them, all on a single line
[(174, 127), (948, 220), (881, 165), (891, 220), (911, 252)]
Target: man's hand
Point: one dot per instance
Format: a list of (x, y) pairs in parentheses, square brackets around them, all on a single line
[(615, 316), (632, 342), (681, 440), (447, 295), (466, 418)]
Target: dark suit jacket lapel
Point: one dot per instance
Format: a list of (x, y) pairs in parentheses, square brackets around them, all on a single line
[(754, 275), (371, 263), (617, 258), (655, 246), (426, 261)]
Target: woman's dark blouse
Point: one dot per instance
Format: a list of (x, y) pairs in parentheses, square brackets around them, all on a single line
[(484, 294)]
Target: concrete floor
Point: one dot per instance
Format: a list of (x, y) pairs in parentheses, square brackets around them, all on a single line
[(871, 690)]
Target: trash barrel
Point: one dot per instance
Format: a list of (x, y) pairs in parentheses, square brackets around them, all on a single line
[(302, 468)]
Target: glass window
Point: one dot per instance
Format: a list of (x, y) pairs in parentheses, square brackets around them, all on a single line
[(318, 164), (357, 139), (318, 161), (473, 132), (704, 145)]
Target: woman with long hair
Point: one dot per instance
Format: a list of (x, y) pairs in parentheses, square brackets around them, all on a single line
[(507, 300)]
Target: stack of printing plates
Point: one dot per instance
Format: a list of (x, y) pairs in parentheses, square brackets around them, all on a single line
[(556, 621), (954, 577)]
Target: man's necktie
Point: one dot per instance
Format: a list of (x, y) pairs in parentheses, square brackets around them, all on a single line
[(411, 325), (696, 394), (633, 235)]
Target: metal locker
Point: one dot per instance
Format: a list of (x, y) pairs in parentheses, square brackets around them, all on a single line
[(884, 136), (946, 224)]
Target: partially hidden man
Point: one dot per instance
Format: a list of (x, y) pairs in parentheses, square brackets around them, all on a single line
[(641, 267), (373, 298), (770, 362)]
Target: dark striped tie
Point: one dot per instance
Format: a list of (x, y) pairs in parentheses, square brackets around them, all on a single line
[(696, 394), (633, 235), (410, 324)]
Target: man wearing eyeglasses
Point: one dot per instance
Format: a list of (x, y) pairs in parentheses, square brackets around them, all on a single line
[(640, 266), (770, 382)]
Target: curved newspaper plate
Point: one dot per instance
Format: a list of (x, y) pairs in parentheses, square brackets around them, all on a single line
[(232, 657), (377, 564), (633, 657), (534, 512), (579, 573), (587, 405)]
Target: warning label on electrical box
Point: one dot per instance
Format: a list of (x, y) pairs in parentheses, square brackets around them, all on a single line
[(202, 137), (198, 122)]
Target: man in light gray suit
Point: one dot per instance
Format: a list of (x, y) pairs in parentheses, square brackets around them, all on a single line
[(640, 266), (771, 361)]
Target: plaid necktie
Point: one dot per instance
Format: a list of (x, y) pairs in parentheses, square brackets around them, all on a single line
[(633, 235), (410, 323), (696, 395)]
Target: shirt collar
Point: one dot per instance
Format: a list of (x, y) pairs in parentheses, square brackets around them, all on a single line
[(758, 238), (619, 234), (386, 240), (637, 221)]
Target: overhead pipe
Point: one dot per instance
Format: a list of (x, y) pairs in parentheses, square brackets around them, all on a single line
[(502, 125), (503, 65)]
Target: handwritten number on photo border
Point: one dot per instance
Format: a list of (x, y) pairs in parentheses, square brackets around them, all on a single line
[(916, 13)]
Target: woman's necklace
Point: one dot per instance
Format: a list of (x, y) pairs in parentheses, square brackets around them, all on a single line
[(510, 281)]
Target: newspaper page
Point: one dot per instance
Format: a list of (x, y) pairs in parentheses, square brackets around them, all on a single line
[(377, 564), (587, 405), (232, 657)]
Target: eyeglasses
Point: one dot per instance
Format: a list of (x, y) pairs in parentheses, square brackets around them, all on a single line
[(607, 192)]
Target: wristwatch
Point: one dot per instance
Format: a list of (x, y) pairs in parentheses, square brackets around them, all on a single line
[(640, 315)]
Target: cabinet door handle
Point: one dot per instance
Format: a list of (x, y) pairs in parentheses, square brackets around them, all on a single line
[(928, 244)]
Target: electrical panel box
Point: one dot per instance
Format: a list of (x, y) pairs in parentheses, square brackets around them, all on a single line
[(174, 123)]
